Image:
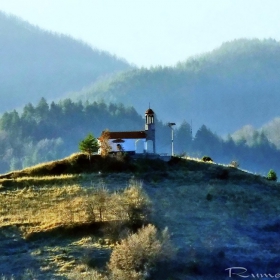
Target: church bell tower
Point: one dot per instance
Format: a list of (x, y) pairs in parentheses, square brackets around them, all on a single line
[(150, 128)]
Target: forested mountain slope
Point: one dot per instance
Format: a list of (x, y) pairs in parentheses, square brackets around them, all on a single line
[(234, 85), (50, 131), (250, 134), (35, 63)]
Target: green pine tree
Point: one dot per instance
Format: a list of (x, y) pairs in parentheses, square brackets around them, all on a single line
[(89, 145), (271, 176)]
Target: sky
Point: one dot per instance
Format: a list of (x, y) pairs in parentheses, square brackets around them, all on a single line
[(152, 32)]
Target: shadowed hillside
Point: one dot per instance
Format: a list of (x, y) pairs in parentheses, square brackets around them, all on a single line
[(36, 63), (217, 216), (234, 85)]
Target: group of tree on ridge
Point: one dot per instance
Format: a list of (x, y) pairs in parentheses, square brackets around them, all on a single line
[(51, 131), (225, 89)]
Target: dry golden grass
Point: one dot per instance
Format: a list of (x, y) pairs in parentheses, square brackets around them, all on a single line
[(73, 164), (29, 181), (38, 206), (38, 209)]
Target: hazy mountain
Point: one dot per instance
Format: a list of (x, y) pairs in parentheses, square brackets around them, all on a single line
[(232, 86), (272, 131), (248, 133), (35, 63)]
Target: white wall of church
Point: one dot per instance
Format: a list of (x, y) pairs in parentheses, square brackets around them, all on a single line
[(140, 146), (128, 145), (149, 147)]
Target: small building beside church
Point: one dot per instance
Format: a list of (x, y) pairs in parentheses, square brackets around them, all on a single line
[(134, 142)]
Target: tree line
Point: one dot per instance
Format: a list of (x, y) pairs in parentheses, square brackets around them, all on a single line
[(50, 131), (259, 155), (223, 89)]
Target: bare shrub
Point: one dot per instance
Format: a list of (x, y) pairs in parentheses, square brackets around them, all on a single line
[(88, 275), (105, 147), (67, 212), (138, 254), (115, 230), (101, 198), (29, 274), (234, 164), (118, 207), (136, 203), (132, 206), (89, 207), (207, 159)]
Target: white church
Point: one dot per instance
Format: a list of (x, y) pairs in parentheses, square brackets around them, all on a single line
[(134, 142)]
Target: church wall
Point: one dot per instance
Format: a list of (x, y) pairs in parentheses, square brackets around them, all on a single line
[(128, 145)]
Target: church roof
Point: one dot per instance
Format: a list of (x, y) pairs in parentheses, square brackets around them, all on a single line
[(149, 111), (127, 135)]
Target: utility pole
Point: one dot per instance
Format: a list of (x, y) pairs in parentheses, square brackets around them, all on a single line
[(172, 137), (191, 129)]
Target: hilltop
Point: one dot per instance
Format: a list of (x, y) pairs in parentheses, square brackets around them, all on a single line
[(218, 217), (79, 163), (232, 86), (37, 63)]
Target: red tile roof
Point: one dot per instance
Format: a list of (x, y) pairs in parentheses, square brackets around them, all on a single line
[(127, 135), (149, 112)]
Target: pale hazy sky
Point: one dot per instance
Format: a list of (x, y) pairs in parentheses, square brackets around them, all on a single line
[(153, 32)]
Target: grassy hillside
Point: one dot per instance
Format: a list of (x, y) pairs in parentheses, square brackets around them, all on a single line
[(36, 63), (218, 217), (232, 86)]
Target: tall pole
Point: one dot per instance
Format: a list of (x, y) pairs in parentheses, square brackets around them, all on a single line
[(172, 141), (172, 137)]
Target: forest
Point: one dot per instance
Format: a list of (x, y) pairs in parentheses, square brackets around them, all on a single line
[(50, 131), (232, 86)]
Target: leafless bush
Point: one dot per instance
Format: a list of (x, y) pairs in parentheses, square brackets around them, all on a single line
[(138, 254), (101, 199), (89, 207), (234, 164), (88, 275), (132, 206), (137, 204)]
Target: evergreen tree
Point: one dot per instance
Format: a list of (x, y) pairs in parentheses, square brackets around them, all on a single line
[(42, 110), (89, 145), (271, 176), (206, 142), (183, 139)]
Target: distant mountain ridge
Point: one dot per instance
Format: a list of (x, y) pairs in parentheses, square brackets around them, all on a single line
[(250, 134), (35, 63), (232, 86)]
